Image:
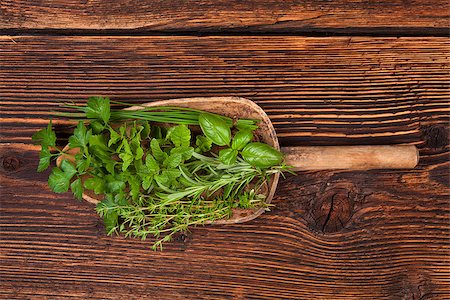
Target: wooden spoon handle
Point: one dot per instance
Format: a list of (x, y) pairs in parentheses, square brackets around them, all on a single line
[(351, 157)]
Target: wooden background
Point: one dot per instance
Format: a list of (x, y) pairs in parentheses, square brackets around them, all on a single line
[(326, 72)]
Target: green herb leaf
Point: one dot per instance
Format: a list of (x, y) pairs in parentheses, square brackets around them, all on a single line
[(96, 127), (158, 154), (114, 137), (98, 147), (228, 156), (167, 176), (146, 131), (80, 137), (215, 128), (77, 188), (58, 181), (139, 153), (127, 159), (162, 179), (46, 137), (95, 184), (203, 144), (107, 208), (135, 186), (172, 161), (172, 173), (151, 164), (185, 152), (156, 132), (110, 166), (245, 125), (113, 184), (82, 163), (98, 108), (110, 219), (44, 159), (147, 181), (180, 136), (68, 168), (241, 139), (261, 155)]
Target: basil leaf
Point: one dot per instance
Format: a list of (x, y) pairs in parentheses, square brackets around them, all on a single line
[(215, 128), (261, 155), (228, 156), (241, 139)]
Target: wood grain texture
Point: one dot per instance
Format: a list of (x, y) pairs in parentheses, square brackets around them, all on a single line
[(382, 17), (331, 235), (317, 91)]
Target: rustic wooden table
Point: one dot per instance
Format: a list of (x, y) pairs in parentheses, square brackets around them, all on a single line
[(327, 73)]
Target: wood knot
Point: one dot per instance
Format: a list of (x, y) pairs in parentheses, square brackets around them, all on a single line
[(182, 240), (10, 163), (333, 208), (435, 136)]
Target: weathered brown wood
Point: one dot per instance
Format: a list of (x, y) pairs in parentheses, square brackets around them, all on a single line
[(317, 91), (383, 17), (331, 235)]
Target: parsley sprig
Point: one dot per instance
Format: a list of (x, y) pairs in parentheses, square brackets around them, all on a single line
[(159, 180)]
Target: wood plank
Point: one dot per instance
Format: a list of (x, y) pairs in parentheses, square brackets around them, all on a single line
[(323, 91), (349, 17), (332, 235)]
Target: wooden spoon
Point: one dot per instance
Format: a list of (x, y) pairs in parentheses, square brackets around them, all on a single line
[(301, 158)]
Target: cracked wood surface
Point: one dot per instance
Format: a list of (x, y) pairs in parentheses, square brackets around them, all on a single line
[(332, 235), (379, 17)]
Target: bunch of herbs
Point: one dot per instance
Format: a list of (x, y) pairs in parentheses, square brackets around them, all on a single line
[(159, 180)]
